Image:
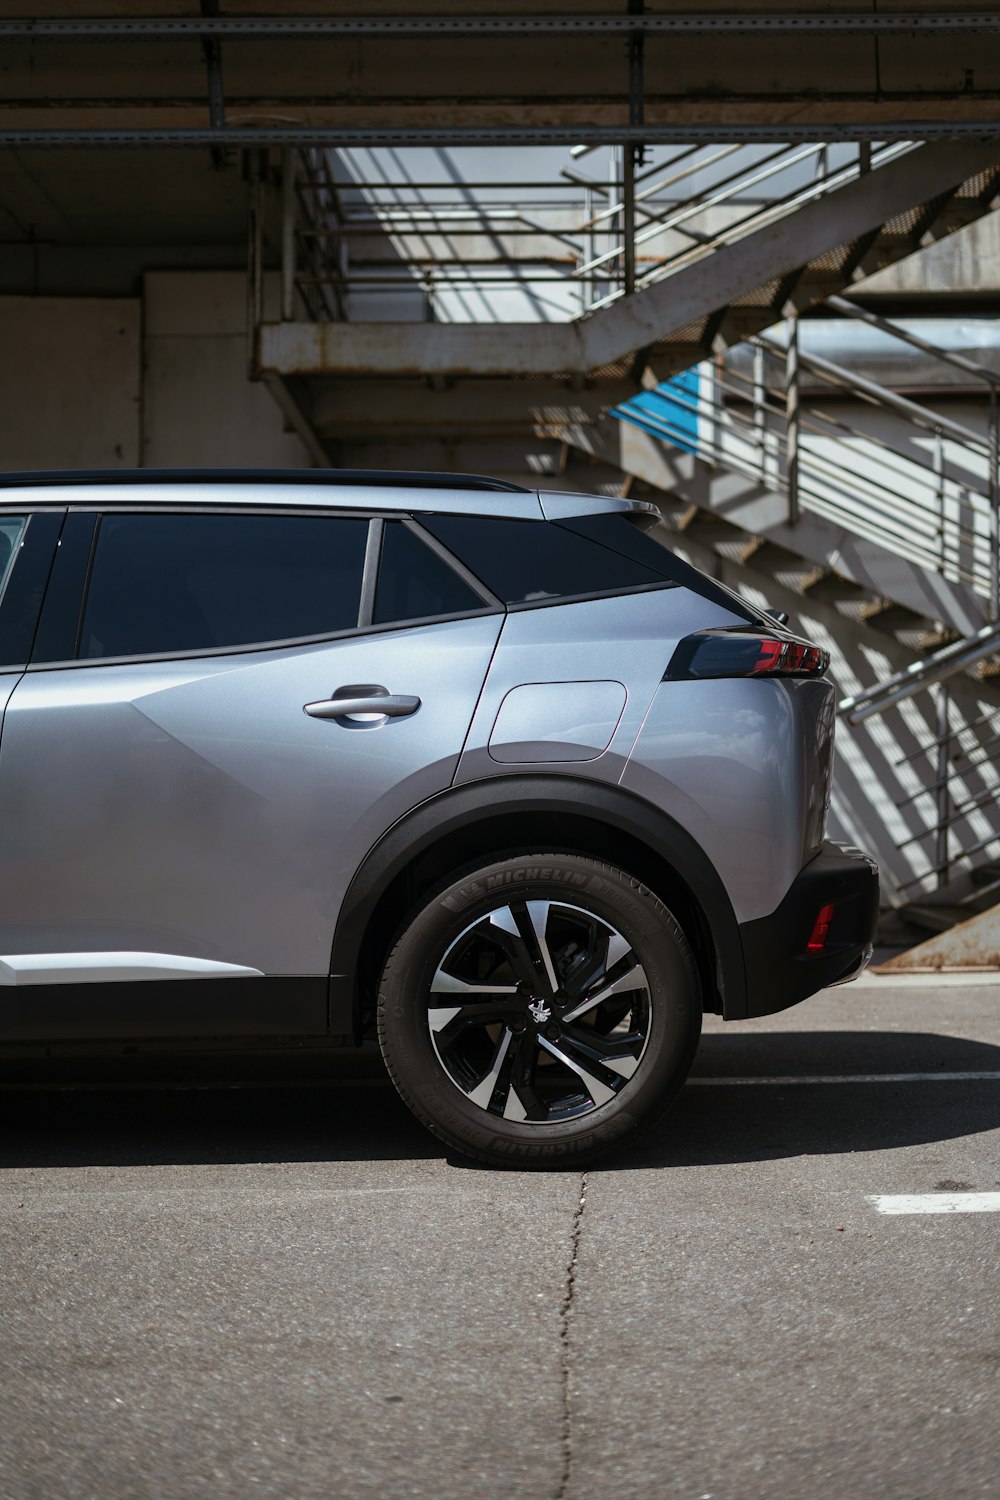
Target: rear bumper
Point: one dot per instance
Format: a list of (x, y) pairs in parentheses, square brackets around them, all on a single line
[(779, 970)]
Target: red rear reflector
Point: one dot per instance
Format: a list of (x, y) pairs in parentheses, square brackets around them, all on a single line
[(821, 930)]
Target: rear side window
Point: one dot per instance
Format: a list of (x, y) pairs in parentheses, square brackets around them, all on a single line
[(180, 583), (413, 582), (528, 561), (622, 535)]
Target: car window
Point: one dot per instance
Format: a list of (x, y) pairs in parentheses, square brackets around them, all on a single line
[(11, 532), (414, 582), (179, 583), (27, 546), (527, 561)]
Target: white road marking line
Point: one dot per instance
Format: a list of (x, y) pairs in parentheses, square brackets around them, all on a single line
[(786, 1080), (935, 1203)]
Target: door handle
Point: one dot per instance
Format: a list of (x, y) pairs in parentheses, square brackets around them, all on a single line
[(386, 705)]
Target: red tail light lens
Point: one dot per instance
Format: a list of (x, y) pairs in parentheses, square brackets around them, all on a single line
[(821, 930), (744, 653)]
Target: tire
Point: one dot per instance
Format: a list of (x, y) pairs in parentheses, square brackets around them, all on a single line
[(540, 1010)]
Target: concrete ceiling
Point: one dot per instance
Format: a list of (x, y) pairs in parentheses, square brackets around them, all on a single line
[(114, 210)]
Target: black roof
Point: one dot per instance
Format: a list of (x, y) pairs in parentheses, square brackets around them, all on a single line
[(390, 478)]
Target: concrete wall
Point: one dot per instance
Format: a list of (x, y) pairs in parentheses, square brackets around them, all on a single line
[(158, 382), (70, 392), (200, 410)]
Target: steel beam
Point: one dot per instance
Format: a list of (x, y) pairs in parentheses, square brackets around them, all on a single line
[(290, 28), (211, 51), (446, 349), (652, 134)]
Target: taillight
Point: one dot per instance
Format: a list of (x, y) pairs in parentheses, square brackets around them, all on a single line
[(744, 653)]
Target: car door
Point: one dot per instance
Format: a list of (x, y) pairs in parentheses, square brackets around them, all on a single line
[(184, 793)]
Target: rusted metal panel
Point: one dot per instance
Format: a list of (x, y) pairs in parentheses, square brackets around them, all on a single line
[(448, 349), (972, 945)]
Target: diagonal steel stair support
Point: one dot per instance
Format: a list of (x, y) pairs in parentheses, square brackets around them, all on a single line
[(758, 511), (781, 251)]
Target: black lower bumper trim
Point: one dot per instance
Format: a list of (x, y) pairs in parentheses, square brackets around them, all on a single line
[(779, 970)]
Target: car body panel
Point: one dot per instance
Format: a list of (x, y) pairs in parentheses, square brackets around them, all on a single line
[(745, 766), (557, 721), (628, 639), (192, 808)]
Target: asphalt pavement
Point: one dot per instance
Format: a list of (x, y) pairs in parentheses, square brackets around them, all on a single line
[(272, 1282)]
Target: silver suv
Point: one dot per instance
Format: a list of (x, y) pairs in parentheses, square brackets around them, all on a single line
[(486, 771)]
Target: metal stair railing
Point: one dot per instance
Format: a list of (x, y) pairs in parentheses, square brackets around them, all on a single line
[(952, 763), (573, 243), (923, 485)]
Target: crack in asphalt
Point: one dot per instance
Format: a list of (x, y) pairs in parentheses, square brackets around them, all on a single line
[(565, 1310)]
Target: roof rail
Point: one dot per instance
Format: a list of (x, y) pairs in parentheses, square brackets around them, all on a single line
[(392, 478)]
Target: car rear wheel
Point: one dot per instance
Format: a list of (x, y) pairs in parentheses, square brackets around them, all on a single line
[(540, 1010)]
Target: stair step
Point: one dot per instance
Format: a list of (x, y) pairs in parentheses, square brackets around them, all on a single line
[(833, 588), (894, 619)]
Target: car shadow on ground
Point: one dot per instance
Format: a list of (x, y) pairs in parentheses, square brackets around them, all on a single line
[(146, 1111)]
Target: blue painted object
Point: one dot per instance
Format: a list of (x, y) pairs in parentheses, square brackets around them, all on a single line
[(669, 412)]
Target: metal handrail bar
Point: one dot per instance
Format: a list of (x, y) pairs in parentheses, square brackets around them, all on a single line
[(920, 674), (777, 161), (913, 508), (943, 781), (397, 212), (956, 815), (779, 208), (979, 892), (945, 356), (922, 416), (965, 754), (960, 491), (966, 479), (911, 512), (989, 794), (729, 384), (917, 547), (936, 869), (613, 209), (925, 555), (820, 424), (915, 515), (941, 738)]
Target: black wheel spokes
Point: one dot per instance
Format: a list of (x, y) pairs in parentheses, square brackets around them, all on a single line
[(617, 1055), (562, 1039), (510, 929), (521, 1100), (620, 979)]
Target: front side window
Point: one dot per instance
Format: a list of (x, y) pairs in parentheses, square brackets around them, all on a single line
[(182, 583)]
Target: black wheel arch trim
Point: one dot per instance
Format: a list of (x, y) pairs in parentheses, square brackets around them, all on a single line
[(459, 807)]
